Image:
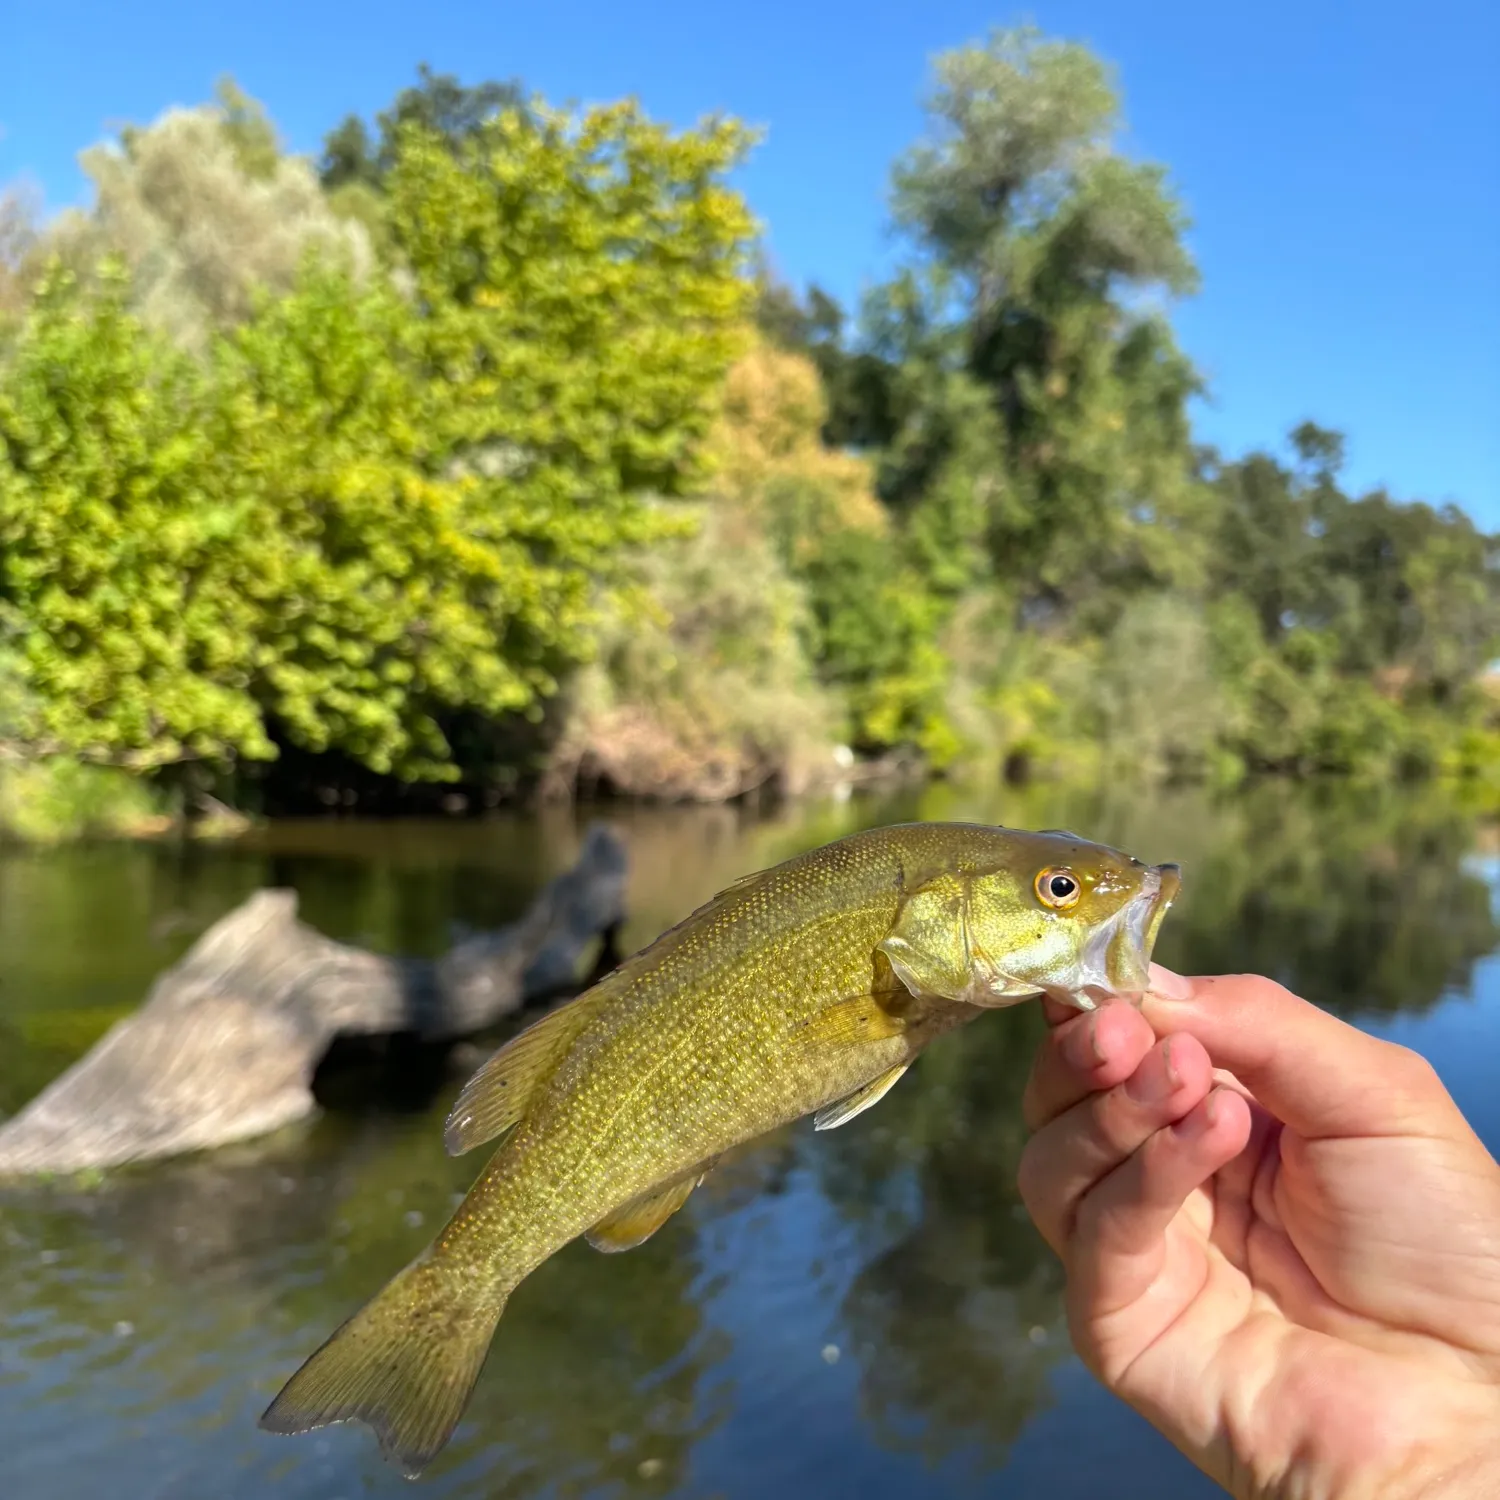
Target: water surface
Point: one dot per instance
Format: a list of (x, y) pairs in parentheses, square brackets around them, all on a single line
[(867, 1311)]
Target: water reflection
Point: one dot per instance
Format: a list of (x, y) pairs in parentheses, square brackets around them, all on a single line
[(146, 1321), (956, 1307)]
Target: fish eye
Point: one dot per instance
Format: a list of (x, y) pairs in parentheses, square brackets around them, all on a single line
[(1057, 888)]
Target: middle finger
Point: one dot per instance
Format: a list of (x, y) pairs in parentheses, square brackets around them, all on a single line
[(1067, 1157)]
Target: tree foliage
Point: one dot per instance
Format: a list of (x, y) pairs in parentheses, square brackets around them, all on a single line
[(438, 103), (207, 213), (370, 505), (499, 408)]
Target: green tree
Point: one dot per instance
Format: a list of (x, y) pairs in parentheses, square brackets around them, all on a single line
[(207, 214), (438, 102), (372, 508), (113, 527), (1037, 247), (391, 586), (582, 296)]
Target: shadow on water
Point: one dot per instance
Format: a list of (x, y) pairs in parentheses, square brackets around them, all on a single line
[(144, 1321)]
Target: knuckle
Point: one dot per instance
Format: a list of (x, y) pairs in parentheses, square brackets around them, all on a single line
[(1030, 1180), (1032, 1115), (1256, 991), (1414, 1073), (1093, 1217), (1119, 1124), (1036, 1181)]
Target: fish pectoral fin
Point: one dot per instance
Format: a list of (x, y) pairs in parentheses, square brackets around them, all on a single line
[(928, 945), (498, 1095), (834, 1115), (634, 1223), (860, 1018)]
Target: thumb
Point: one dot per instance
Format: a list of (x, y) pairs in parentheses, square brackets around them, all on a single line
[(1314, 1072)]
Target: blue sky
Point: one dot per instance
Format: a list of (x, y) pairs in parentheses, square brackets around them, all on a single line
[(1341, 163)]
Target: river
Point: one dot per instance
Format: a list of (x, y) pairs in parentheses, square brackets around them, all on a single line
[(864, 1312)]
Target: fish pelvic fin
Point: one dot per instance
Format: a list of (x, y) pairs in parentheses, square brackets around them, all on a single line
[(831, 1116), (404, 1364), (634, 1223), (499, 1094)]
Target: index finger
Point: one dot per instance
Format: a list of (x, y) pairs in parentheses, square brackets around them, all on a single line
[(1084, 1055)]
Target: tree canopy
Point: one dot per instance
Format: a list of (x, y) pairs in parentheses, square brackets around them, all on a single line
[(495, 416), (370, 501)]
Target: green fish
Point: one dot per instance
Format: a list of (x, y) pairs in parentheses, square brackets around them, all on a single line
[(808, 988)]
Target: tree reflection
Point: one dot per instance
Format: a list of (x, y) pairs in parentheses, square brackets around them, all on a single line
[(230, 1268), (955, 1317)]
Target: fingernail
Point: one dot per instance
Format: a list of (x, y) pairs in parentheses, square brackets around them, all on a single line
[(1199, 1121), (1154, 1081), (1166, 985), (1095, 1045)]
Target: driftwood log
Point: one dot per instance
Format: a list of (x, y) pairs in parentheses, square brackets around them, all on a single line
[(227, 1042)]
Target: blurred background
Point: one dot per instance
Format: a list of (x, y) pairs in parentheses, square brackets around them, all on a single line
[(423, 435)]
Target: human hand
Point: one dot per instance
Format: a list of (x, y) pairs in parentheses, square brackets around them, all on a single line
[(1292, 1267)]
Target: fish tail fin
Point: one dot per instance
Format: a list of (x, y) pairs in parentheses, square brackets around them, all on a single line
[(404, 1364)]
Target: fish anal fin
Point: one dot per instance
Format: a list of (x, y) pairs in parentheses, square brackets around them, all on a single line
[(497, 1096), (847, 1023), (634, 1223), (834, 1115)]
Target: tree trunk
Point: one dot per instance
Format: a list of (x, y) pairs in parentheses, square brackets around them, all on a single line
[(228, 1039)]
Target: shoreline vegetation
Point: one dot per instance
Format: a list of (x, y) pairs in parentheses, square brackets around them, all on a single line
[(486, 459)]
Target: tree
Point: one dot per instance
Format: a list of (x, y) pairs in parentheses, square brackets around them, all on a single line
[(114, 528), (856, 382), (366, 509), (18, 243), (1035, 247), (582, 296), (439, 103), (390, 587), (206, 213)]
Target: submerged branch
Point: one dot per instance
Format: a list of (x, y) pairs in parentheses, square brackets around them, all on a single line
[(228, 1040)]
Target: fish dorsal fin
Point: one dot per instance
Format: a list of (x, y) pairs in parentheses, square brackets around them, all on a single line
[(834, 1115), (634, 1223), (497, 1096)]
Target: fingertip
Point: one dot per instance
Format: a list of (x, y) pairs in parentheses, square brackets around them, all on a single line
[(1218, 1127), (1109, 1043), (1191, 1066)]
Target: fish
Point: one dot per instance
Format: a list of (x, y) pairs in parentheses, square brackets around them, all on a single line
[(808, 988)]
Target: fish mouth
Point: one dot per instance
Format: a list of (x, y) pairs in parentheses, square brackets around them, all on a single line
[(1116, 958)]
